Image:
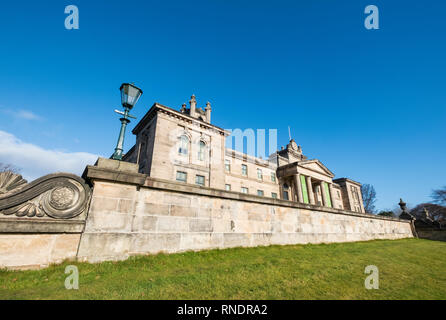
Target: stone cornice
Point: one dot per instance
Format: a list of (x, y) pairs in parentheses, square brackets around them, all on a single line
[(159, 107), (341, 180)]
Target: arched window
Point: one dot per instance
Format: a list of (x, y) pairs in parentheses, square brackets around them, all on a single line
[(184, 145), (285, 192), (201, 151)]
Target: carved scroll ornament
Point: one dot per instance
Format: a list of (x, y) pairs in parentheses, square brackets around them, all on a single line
[(58, 195)]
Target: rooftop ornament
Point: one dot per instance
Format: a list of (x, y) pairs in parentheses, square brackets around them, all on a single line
[(130, 95)]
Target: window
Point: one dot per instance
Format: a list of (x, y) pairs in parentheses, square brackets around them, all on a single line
[(339, 194), (181, 176), (199, 180), (201, 151), (259, 174), (244, 170), (355, 193), (228, 187), (184, 145), (260, 193), (228, 166), (273, 177), (285, 192), (244, 190), (274, 195)]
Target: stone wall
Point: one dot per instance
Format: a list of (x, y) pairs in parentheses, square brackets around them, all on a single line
[(52, 219), (431, 234), (134, 214), (34, 251), (41, 222)]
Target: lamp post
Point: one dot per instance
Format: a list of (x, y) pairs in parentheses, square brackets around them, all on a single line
[(129, 97)]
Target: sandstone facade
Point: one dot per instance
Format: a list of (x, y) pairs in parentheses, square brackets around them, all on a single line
[(184, 146)]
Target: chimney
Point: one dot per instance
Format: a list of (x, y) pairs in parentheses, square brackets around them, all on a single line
[(208, 112), (193, 104)]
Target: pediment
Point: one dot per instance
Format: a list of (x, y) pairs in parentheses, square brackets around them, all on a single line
[(317, 166)]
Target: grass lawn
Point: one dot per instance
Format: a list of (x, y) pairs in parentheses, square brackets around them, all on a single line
[(408, 269)]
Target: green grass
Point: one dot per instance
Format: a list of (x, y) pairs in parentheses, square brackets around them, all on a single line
[(408, 269)]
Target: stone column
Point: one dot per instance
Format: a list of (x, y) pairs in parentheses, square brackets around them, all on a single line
[(324, 195), (310, 190), (332, 194), (300, 197)]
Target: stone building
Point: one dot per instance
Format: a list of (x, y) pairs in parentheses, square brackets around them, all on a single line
[(185, 146)]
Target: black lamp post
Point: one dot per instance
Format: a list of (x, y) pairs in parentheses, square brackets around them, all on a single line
[(130, 95)]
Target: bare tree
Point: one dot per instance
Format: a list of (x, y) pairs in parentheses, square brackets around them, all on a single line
[(435, 211), (8, 167), (386, 213), (439, 196), (368, 197)]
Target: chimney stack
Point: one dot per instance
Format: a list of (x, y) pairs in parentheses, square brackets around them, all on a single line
[(193, 105), (208, 112)]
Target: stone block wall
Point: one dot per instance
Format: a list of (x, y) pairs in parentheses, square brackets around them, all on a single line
[(162, 216), (52, 219)]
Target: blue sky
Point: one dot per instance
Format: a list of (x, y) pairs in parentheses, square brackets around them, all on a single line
[(370, 104)]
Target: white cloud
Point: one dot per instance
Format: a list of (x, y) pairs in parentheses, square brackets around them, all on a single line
[(22, 114), (28, 115), (35, 161)]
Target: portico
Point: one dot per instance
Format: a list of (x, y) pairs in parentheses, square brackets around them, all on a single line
[(310, 182)]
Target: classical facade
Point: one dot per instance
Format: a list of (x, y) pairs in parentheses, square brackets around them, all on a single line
[(184, 146)]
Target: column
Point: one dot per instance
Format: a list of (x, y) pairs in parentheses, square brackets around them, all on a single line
[(300, 197), (310, 190), (332, 194), (324, 195)]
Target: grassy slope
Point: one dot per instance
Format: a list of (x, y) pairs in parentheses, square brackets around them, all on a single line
[(409, 269)]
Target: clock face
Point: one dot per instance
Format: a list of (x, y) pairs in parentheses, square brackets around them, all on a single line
[(294, 145)]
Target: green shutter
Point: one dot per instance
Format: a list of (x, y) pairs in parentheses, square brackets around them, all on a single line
[(303, 182), (327, 194)]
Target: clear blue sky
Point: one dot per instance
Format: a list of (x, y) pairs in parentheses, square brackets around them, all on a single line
[(371, 105)]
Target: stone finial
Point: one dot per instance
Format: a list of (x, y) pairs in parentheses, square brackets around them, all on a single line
[(183, 108), (208, 106), (405, 214), (402, 205)]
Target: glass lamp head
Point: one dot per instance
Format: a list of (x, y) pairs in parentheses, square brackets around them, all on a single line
[(130, 95)]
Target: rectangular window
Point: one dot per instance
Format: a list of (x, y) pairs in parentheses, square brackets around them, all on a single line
[(339, 195), (273, 177), (327, 194), (244, 170), (303, 182), (260, 193), (274, 195), (259, 174), (285, 195), (244, 190), (199, 180), (228, 187), (181, 176), (228, 166)]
